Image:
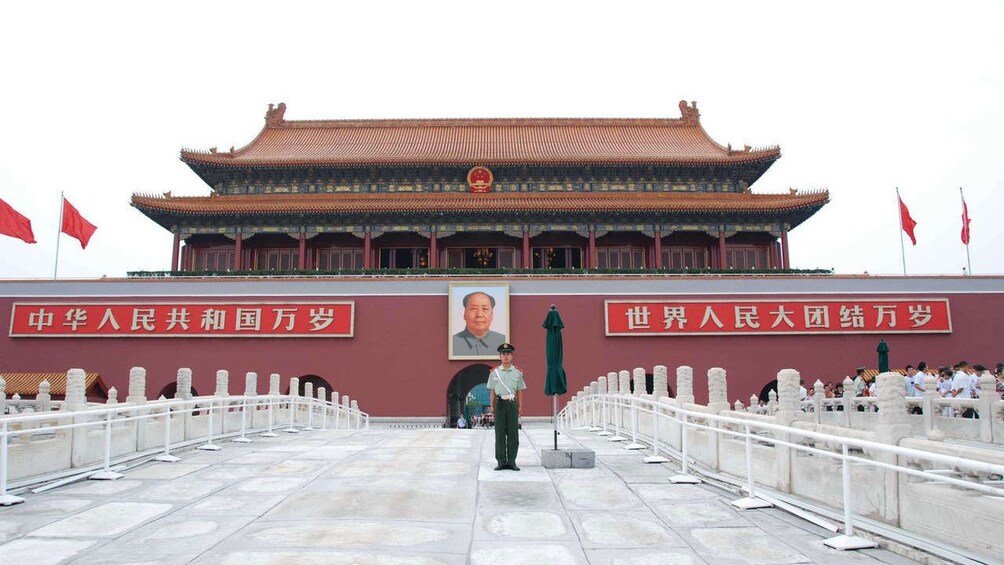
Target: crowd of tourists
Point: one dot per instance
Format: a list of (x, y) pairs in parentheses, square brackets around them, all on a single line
[(960, 380), (486, 420)]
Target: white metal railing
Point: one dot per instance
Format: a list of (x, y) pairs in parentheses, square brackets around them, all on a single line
[(605, 413), (32, 435)]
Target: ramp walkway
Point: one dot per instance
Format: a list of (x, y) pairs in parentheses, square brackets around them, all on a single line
[(404, 497)]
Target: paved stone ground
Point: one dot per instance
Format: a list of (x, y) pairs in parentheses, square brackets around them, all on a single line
[(403, 498)]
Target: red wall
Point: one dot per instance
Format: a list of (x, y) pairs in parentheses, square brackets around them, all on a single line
[(396, 365)]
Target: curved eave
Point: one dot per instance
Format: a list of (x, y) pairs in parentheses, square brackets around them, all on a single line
[(228, 161), (515, 203)]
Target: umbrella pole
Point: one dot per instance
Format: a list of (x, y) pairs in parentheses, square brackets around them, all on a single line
[(554, 410)]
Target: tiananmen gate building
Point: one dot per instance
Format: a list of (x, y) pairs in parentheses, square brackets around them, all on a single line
[(351, 253)]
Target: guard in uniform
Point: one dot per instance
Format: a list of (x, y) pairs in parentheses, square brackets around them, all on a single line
[(506, 385)]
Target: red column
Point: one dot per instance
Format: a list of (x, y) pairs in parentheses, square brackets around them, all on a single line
[(527, 260), (658, 249), (302, 264), (433, 250), (175, 249), (723, 261), (785, 264), (367, 260), (591, 250), (239, 252)]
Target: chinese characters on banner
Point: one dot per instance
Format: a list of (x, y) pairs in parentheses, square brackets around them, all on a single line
[(212, 319), (680, 317)]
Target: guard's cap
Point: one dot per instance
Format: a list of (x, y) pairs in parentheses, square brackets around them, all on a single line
[(506, 348), (861, 368)]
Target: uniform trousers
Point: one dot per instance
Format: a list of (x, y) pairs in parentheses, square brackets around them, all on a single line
[(506, 431)]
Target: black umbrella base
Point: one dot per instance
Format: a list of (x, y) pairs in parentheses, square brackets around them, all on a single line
[(567, 458)]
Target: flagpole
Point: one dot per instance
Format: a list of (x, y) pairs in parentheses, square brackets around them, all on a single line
[(59, 230), (899, 209), (969, 265)]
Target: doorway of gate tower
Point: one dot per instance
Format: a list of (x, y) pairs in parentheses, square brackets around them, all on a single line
[(467, 394)]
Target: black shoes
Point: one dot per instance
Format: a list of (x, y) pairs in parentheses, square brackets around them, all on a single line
[(504, 466)]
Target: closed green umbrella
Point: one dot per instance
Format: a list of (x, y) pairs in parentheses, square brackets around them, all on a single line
[(555, 382), (883, 356)]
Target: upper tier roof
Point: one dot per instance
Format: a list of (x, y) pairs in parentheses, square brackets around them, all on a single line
[(515, 141)]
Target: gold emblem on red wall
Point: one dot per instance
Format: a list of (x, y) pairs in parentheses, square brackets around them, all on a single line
[(480, 179)]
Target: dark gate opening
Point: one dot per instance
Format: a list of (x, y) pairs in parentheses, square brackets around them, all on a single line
[(460, 385)]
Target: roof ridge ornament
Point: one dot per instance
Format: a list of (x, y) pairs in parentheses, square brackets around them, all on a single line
[(689, 114), (274, 116)]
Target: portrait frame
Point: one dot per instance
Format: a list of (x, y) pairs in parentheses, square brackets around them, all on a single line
[(457, 340)]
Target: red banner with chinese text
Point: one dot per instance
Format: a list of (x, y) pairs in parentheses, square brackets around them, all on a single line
[(767, 317), (188, 319)]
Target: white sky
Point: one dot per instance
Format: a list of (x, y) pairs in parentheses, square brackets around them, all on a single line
[(98, 98)]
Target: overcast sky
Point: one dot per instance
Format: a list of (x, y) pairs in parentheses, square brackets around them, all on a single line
[(99, 98)]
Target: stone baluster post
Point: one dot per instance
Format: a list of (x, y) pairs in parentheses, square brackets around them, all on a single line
[(638, 378), (222, 383), (273, 384), (929, 409), (334, 407), (847, 400), (788, 410), (308, 395), (624, 382), (43, 402), (986, 396), (818, 398), (771, 402), (892, 426), (137, 386), (718, 394), (601, 417), (184, 389), (660, 382), (3, 396), (251, 384), (113, 396), (718, 402), (598, 386), (294, 392), (754, 403), (346, 405), (612, 382), (684, 385), (76, 398), (357, 417), (738, 406), (322, 397)]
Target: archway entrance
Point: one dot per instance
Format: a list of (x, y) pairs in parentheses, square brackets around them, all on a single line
[(465, 383)]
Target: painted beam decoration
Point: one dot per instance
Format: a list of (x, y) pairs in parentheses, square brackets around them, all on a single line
[(772, 317), (183, 319)]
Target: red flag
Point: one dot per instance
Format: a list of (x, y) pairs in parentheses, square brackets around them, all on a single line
[(75, 225), (906, 221), (965, 222), (14, 224)]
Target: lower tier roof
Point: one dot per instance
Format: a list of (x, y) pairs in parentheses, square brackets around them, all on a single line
[(506, 203)]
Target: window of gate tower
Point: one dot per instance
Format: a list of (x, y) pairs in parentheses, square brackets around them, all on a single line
[(404, 258), (557, 258), (626, 257), (482, 258)]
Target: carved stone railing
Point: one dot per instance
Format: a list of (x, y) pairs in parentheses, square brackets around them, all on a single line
[(82, 437), (877, 479)]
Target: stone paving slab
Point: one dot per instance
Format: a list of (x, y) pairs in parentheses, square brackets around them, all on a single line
[(404, 497)]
